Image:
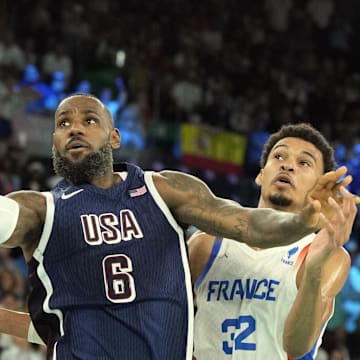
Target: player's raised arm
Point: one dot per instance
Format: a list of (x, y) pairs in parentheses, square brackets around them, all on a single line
[(192, 202), (322, 276)]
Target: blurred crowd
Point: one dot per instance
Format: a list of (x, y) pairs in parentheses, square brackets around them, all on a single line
[(242, 66)]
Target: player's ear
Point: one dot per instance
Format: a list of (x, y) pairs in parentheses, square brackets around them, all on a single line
[(115, 138), (258, 179)]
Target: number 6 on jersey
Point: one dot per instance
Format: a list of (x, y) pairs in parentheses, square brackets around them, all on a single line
[(119, 283)]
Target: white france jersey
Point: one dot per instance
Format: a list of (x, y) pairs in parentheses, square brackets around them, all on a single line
[(243, 298)]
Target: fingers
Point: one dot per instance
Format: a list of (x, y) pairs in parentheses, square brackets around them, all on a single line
[(346, 181), (341, 171), (331, 182), (345, 214), (310, 214), (335, 214), (332, 177), (326, 224), (344, 193), (336, 189), (333, 225), (337, 209), (343, 183), (351, 201)]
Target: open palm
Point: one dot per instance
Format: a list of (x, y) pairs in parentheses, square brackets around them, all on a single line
[(329, 185), (336, 230)]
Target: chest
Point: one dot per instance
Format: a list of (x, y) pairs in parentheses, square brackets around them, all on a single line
[(96, 223)]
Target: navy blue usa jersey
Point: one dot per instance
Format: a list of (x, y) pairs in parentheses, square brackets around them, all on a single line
[(110, 276)]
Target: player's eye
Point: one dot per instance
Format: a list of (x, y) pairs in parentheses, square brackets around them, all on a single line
[(91, 121), (63, 123), (305, 163)]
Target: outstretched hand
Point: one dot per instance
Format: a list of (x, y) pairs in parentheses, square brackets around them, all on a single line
[(328, 186), (335, 231), (310, 215)]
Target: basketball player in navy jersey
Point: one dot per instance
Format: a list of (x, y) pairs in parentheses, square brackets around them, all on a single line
[(107, 259), (274, 303)]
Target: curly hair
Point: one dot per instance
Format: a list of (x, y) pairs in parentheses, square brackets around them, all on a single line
[(307, 133)]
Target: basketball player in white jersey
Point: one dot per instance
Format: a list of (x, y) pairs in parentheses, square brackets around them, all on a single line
[(273, 303)]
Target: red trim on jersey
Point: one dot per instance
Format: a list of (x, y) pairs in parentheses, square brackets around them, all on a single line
[(301, 257)]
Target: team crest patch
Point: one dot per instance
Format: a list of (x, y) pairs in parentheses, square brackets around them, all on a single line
[(288, 259), (138, 192)]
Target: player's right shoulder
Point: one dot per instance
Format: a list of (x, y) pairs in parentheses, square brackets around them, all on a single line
[(32, 212), (32, 206), (29, 198)]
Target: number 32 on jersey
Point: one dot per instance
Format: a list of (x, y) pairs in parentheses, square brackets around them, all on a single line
[(238, 330)]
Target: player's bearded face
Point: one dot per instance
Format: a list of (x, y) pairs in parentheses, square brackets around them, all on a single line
[(92, 166), (280, 200)]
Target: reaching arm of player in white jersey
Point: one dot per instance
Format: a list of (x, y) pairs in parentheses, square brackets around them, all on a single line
[(320, 278)]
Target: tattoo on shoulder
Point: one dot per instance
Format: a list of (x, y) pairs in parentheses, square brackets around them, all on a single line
[(188, 183)]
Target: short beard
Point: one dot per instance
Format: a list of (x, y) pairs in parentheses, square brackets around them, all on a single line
[(95, 165), (280, 201)]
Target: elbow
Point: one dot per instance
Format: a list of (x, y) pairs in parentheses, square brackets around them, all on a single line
[(296, 354), (296, 346), (297, 350)]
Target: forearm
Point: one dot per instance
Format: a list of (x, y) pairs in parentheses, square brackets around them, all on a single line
[(14, 323), (305, 319), (269, 228), (258, 227), (191, 202)]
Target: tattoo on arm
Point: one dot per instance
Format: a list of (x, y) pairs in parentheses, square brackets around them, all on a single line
[(206, 211)]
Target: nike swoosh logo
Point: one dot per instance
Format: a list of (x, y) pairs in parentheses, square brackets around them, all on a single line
[(70, 195)]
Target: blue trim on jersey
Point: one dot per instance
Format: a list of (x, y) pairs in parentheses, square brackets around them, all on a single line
[(214, 252), (310, 354)]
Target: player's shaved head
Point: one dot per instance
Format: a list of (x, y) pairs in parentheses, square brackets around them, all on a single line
[(63, 105)]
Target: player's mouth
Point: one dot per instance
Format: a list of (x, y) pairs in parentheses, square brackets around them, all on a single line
[(76, 145), (283, 180)]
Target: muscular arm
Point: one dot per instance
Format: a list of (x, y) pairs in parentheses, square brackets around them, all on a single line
[(32, 210), (192, 202), (17, 323), (314, 304), (14, 323), (320, 278)]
